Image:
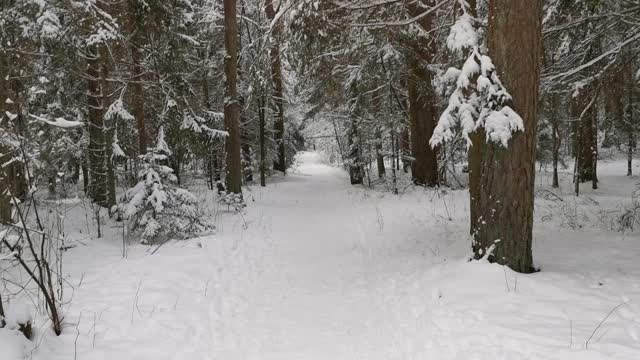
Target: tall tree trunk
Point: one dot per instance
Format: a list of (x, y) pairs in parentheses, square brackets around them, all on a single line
[(205, 78), (594, 150), (232, 101), (586, 148), (630, 155), (97, 189), (246, 156), (422, 112), (263, 148), (85, 176), (586, 111), (555, 153), (278, 93), (5, 155), (109, 131), (394, 162), (138, 87), (614, 109), (556, 141), (356, 171), (508, 174), (405, 148), (630, 130), (377, 108), (379, 156)]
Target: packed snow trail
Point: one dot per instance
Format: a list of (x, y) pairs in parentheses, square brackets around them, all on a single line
[(309, 282)]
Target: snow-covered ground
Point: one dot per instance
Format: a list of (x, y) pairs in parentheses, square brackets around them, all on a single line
[(318, 269)]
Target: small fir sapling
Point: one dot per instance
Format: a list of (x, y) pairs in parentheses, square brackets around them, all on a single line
[(155, 206)]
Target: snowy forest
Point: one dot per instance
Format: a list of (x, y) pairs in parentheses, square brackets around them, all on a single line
[(319, 179)]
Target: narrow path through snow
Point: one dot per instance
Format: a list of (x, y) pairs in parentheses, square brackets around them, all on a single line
[(305, 280)]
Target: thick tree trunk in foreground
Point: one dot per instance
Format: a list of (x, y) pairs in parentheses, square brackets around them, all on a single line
[(232, 104), (475, 167), (506, 187), (278, 94), (424, 167)]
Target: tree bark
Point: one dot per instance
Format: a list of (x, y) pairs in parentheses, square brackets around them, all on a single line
[(137, 85), (630, 127), (584, 109), (379, 156), (232, 104), (505, 205), (405, 149), (97, 188), (376, 103), (246, 156), (422, 114), (261, 140), (555, 154), (278, 94), (556, 141), (355, 158), (109, 130), (5, 198)]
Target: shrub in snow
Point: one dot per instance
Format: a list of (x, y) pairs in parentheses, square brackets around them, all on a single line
[(629, 216), (156, 207), (231, 200)]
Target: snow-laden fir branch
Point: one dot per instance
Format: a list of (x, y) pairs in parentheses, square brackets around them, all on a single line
[(479, 99), (58, 122)]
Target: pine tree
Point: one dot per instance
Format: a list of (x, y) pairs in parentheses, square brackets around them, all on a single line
[(155, 206), (507, 185), (500, 98)]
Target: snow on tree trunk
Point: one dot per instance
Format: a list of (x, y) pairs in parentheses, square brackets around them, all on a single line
[(498, 101), (508, 174), (97, 142), (474, 157)]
